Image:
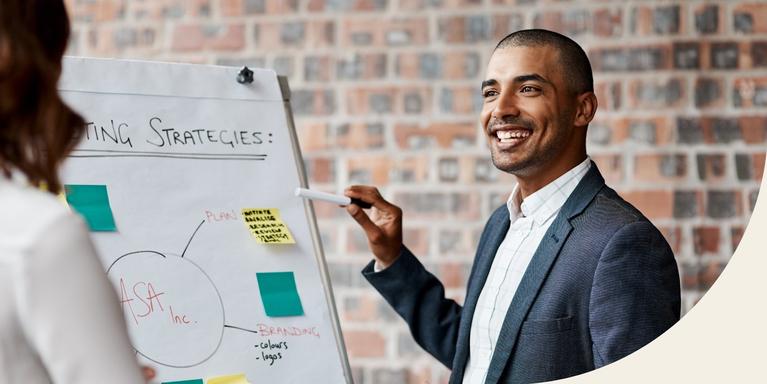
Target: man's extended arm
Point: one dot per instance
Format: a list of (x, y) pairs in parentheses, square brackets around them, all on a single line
[(419, 298), (412, 291)]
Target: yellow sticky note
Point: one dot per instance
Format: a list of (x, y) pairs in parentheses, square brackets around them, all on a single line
[(266, 226), (229, 379)]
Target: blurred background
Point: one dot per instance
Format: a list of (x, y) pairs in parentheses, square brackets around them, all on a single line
[(387, 92)]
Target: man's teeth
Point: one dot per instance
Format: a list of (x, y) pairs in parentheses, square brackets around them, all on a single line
[(516, 134)]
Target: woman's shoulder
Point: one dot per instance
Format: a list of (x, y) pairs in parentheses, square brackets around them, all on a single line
[(26, 213)]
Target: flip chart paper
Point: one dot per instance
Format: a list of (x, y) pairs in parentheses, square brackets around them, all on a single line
[(182, 149), (279, 294), (229, 379), (266, 226), (92, 202), (195, 381)]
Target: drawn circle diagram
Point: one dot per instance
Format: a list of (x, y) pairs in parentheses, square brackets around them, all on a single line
[(173, 310)]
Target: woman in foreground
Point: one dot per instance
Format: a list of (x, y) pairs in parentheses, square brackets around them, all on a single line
[(59, 316)]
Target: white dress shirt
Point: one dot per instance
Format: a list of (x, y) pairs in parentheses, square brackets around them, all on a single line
[(60, 320), (530, 219)]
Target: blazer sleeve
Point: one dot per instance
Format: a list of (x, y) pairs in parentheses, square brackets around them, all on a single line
[(419, 298), (635, 295), (69, 311)]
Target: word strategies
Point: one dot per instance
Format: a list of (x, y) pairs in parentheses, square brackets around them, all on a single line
[(161, 133)]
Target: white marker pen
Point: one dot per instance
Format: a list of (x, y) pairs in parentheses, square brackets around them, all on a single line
[(330, 198)]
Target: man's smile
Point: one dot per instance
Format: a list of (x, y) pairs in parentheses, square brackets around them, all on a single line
[(507, 136)]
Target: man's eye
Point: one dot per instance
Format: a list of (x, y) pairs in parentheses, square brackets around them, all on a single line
[(489, 93), (528, 88)]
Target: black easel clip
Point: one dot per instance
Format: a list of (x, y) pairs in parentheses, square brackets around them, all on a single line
[(245, 76)]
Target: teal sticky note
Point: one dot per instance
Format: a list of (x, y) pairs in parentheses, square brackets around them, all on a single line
[(195, 381), (92, 202), (279, 294)]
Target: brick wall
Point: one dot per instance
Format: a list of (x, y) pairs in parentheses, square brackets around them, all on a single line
[(387, 92)]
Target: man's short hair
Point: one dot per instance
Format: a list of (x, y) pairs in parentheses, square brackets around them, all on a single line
[(573, 60)]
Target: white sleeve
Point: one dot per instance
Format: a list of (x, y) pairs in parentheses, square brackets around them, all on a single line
[(69, 310)]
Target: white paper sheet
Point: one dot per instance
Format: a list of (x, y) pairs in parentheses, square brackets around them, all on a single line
[(182, 149)]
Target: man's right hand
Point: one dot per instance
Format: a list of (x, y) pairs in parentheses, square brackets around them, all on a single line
[(383, 227)]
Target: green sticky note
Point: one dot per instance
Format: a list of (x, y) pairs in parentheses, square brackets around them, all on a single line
[(194, 381), (92, 202), (279, 294)]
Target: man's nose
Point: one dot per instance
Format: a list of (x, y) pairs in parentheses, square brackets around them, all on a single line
[(506, 105)]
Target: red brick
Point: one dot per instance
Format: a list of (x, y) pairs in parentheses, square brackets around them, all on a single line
[(736, 235), (708, 18), (709, 93), (438, 134), (360, 308), (317, 33), (657, 93), (654, 204), (432, 205), (712, 167), (372, 170), (453, 275), (281, 6), (464, 100), (757, 13), (749, 92), (358, 136), (417, 240), (318, 68), (506, 23), (313, 136), (709, 273), (365, 343), (465, 28), (609, 94), (232, 7), (754, 129), (673, 236), (193, 37), (611, 167), (351, 5), (660, 168), (101, 11), (384, 32), (638, 129), (706, 239), (321, 169), (573, 21), (758, 163), (608, 22), (385, 100), (408, 65), (412, 169)]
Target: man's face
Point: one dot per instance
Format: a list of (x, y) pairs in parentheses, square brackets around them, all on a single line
[(528, 110)]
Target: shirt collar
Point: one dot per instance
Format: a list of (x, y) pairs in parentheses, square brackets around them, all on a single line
[(547, 201)]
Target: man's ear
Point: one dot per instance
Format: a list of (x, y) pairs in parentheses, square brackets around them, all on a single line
[(585, 109)]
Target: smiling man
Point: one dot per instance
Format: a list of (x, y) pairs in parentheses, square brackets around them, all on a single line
[(568, 276)]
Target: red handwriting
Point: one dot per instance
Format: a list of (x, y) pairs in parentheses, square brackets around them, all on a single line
[(178, 319), (221, 216), (146, 297), (266, 330)]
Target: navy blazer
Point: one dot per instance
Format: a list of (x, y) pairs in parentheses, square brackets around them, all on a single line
[(602, 284)]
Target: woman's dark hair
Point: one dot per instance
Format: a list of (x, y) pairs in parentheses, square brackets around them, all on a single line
[(37, 130)]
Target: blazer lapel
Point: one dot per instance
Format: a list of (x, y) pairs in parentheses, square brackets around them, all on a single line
[(484, 260), (539, 267)]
